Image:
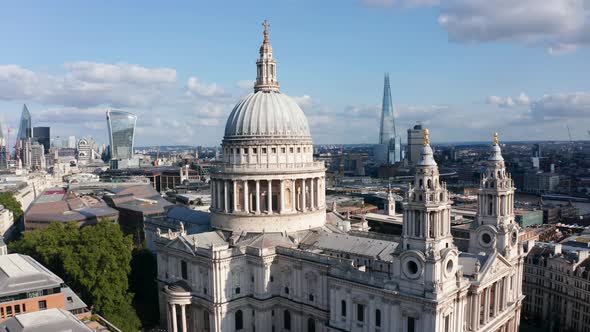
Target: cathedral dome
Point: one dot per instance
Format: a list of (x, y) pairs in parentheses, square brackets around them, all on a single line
[(267, 114)]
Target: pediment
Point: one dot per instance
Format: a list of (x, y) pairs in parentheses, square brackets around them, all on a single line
[(180, 243), (495, 267)]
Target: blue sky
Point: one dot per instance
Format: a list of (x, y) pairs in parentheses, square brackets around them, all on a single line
[(466, 68)]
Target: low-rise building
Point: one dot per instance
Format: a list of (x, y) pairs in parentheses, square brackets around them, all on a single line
[(527, 218), (134, 204), (59, 205), (27, 286), (557, 286), (48, 320)]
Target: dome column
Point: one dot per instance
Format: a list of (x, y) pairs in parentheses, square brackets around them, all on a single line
[(245, 207), (282, 197), (225, 207), (293, 197), (312, 194), (235, 196), (303, 198), (218, 202), (257, 196), (269, 197)]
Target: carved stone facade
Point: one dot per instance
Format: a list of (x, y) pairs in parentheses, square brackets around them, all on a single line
[(273, 262)]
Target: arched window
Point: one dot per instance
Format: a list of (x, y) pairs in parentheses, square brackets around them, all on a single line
[(287, 320), (239, 320), (343, 308), (421, 184), (378, 318), (441, 197), (490, 208), (310, 325), (429, 184)]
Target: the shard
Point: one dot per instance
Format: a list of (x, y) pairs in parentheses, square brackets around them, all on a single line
[(388, 151)]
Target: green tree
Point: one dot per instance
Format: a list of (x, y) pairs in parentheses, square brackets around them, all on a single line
[(9, 201), (142, 282), (94, 261)]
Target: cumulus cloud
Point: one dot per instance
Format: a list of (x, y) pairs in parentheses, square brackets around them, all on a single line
[(560, 25), (87, 84), (197, 88), (562, 106), (245, 84), (506, 102), (499, 101)]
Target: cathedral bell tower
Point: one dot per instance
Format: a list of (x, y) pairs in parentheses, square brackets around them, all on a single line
[(427, 254), (496, 229), (427, 211)]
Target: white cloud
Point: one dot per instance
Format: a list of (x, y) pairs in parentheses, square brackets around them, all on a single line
[(197, 88), (523, 99), (107, 73), (500, 101), (87, 84), (506, 102), (560, 25), (304, 101), (245, 84), (574, 105)]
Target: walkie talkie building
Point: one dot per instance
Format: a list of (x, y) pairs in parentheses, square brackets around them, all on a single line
[(121, 133)]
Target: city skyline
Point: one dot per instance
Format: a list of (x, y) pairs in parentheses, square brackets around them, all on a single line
[(179, 76)]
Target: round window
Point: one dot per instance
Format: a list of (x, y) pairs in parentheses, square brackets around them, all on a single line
[(412, 267), (450, 266), (486, 238)]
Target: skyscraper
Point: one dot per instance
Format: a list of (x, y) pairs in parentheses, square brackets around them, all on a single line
[(25, 128), (24, 136), (389, 148), (415, 135), (121, 134), (41, 135)]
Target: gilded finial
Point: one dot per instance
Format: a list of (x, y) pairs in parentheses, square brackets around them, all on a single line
[(426, 137), (265, 25), (495, 138)]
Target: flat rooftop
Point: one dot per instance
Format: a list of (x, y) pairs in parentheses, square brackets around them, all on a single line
[(58, 320), (21, 273)]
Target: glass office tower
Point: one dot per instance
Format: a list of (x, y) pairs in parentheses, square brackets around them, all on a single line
[(25, 129), (42, 135), (121, 133)]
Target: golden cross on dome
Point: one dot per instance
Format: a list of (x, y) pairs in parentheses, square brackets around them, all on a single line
[(265, 25), (495, 138), (426, 137)]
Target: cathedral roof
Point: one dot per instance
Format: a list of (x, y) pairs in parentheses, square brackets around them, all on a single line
[(266, 112), (271, 114)]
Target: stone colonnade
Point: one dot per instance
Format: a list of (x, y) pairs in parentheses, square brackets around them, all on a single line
[(267, 196), (489, 303)]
